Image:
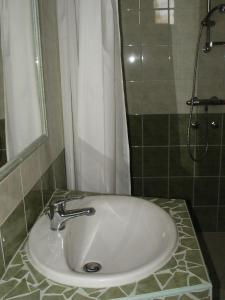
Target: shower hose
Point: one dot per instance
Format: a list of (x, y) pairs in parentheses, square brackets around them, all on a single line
[(194, 155)]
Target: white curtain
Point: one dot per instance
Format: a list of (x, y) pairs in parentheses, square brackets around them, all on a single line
[(22, 107), (96, 141)]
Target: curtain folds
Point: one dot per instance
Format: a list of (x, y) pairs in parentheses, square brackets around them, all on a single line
[(95, 128)]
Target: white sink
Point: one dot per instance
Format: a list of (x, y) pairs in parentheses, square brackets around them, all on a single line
[(129, 237)]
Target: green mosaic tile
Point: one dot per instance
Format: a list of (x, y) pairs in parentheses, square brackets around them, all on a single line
[(194, 256), (55, 289), (69, 293), (32, 296), (171, 264), (11, 272), (21, 274), (146, 285), (201, 294), (80, 297), (178, 280), (190, 243), (17, 260), (55, 297), (193, 280), (38, 277), (43, 285), (200, 272), (19, 289), (30, 279), (5, 287), (184, 268), (185, 297), (112, 293), (129, 288), (163, 278)]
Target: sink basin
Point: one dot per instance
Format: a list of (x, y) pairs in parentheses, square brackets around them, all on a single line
[(126, 240)]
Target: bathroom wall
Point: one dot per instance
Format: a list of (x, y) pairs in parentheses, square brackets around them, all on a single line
[(25, 190), (159, 40)]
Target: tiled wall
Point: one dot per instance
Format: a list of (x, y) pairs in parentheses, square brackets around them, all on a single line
[(159, 40), (162, 167), (28, 187)]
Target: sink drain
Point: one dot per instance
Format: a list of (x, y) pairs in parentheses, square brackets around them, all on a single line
[(92, 267)]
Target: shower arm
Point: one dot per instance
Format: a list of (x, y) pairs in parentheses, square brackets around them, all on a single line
[(208, 24)]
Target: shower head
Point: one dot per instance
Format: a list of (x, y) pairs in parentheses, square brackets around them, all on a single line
[(206, 21)]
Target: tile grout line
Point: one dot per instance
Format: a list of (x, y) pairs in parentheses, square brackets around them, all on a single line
[(168, 171), (142, 157), (3, 254), (24, 208), (220, 171)]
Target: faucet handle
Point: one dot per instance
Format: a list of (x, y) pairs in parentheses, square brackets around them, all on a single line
[(60, 201)]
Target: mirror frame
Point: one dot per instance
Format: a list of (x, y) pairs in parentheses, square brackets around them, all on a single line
[(6, 169)]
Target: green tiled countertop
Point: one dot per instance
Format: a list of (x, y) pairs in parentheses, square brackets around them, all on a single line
[(183, 277)]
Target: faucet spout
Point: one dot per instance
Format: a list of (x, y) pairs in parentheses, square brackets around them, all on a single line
[(58, 215)]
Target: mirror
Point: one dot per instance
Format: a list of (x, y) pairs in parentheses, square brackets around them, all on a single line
[(22, 110)]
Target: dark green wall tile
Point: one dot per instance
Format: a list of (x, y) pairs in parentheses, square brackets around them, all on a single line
[(209, 165), (155, 130), (223, 162), (222, 191), (130, 28), (206, 191), (150, 4), (157, 96), (136, 161), (214, 134), (59, 167), (155, 161), (33, 205), (180, 162), (178, 130), (2, 268), (210, 65), (48, 185), (221, 219), (181, 188), (223, 136), (133, 92), (153, 32), (132, 62), (129, 4), (155, 187), (13, 232), (136, 187), (205, 218), (157, 65), (135, 130)]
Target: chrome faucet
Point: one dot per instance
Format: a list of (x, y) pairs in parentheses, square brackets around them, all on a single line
[(58, 214)]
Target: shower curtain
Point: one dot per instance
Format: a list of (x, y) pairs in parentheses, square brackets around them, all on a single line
[(95, 129), (22, 106)]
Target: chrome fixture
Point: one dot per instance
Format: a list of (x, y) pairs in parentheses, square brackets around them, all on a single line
[(203, 102), (208, 23), (195, 101), (58, 214)]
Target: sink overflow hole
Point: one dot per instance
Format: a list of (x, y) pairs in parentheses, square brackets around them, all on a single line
[(92, 267)]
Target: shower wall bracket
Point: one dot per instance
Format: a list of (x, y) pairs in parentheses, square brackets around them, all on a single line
[(200, 102)]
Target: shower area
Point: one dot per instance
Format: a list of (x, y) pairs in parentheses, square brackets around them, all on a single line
[(159, 40)]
